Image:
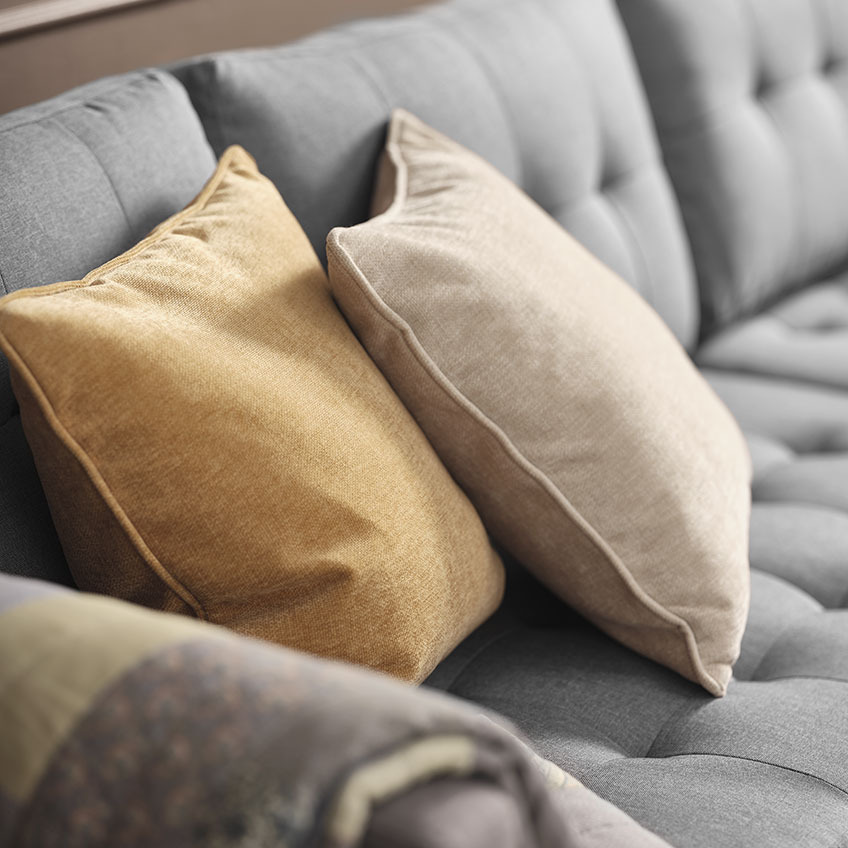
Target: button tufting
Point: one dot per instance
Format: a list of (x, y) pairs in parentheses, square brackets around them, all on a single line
[(832, 65)]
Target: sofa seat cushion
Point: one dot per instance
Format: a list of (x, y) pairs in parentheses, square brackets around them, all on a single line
[(765, 765), (803, 337), (768, 763)]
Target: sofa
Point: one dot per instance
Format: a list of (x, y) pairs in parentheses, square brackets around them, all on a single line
[(700, 151)]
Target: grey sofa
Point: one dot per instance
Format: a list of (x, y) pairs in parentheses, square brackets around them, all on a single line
[(700, 150)]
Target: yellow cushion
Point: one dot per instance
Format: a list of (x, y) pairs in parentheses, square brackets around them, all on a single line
[(557, 397), (214, 441)]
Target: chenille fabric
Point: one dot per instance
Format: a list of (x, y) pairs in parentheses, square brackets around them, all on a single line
[(592, 448), (214, 441)]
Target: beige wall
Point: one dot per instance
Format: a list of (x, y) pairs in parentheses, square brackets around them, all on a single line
[(45, 62)]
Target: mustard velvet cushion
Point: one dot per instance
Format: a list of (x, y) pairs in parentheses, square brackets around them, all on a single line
[(559, 400), (214, 441)]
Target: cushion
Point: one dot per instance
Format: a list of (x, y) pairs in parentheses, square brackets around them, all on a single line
[(804, 337), (559, 400), (85, 176), (546, 90), (129, 727), (751, 104), (214, 441)]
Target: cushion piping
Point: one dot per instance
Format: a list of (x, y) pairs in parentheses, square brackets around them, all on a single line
[(77, 451)]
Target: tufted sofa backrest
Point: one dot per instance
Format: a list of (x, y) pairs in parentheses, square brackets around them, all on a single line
[(82, 178), (751, 103), (547, 90)]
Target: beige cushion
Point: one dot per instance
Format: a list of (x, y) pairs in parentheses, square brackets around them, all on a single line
[(214, 441), (559, 400)]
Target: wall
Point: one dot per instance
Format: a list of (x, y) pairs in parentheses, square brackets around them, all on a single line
[(43, 62)]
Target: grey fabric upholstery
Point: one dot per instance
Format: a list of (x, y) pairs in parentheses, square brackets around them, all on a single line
[(798, 436), (804, 337), (86, 175), (764, 766), (545, 90), (751, 104)]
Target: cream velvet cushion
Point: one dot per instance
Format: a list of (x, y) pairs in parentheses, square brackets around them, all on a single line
[(214, 441), (558, 399)]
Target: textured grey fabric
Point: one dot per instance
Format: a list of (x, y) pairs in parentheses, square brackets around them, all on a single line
[(85, 176), (795, 417), (697, 771), (546, 90), (713, 801), (798, 436), (700, 772), (803, 337), (806, 545), (774, 594), (751, 103)]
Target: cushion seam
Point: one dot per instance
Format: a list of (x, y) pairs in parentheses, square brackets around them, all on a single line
[(635, 244), (606, 195), (366, 70), (751, 371), (103, 170), (795, 677), (210, 97), (673, 718), (754, 760), (474, 656)]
